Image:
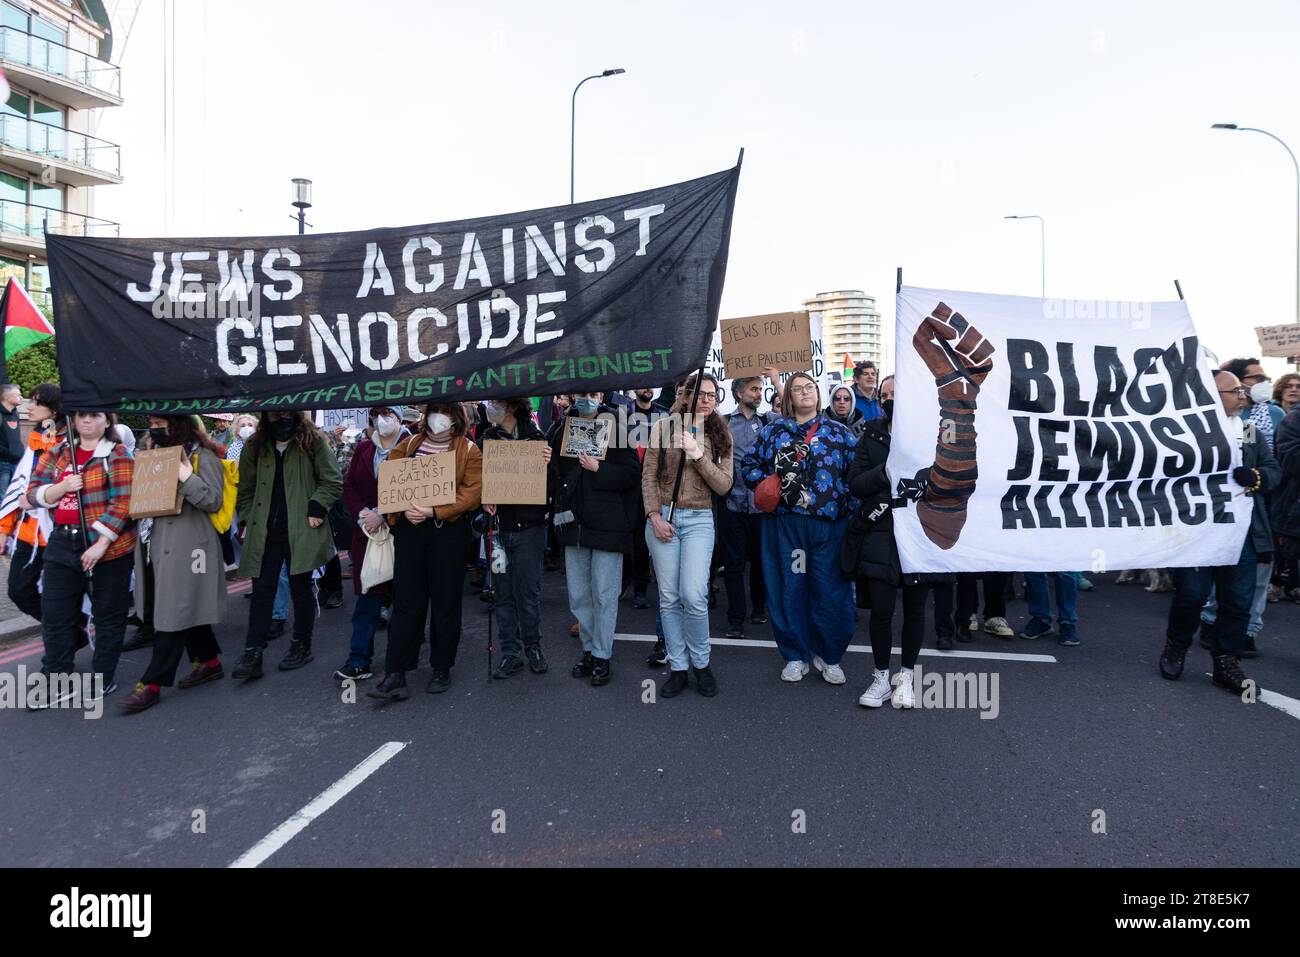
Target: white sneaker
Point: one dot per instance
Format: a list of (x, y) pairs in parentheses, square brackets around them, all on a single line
[(974, 622), (879, 691), (999, 627), (794, 671), (904, 695), (833, 674)]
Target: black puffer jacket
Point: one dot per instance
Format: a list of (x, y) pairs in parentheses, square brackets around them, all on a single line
[(514, 517), (604, 503), (1285, 511), (873, 524)]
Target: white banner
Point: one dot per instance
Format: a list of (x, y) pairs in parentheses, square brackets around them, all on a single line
[(1058, 435), (827, 377)]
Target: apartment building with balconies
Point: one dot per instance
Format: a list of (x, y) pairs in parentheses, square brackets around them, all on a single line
[(56, 56), (850, 323)]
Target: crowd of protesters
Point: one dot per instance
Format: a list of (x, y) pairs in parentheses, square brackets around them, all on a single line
[(792, 506)]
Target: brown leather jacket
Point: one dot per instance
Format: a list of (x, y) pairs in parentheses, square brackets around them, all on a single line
[(469, 477)]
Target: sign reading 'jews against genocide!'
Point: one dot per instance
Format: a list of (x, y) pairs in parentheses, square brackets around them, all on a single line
[(419, 482), (605, 295), (1050, 435)]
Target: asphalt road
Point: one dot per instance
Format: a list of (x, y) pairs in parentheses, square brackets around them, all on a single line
[(546, 770)]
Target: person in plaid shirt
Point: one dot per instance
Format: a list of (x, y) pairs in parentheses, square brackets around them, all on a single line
[(73, 563)]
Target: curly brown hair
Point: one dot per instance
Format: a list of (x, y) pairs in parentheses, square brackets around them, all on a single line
[(1282, 382)]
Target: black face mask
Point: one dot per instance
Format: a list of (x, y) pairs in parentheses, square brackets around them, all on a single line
[(282, 429), (159, 436), (888, 408)]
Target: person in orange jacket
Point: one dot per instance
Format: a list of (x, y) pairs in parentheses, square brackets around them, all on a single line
[(23, 526)]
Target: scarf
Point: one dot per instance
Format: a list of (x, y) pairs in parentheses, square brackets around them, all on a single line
[(1262, 419)]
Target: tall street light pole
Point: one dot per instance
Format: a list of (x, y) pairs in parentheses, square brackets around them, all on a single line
[(302, 199), (573, 118), (1251, 129), (1042, 248)]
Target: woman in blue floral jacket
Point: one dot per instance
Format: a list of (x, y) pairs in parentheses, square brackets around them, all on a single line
[(810, 603)]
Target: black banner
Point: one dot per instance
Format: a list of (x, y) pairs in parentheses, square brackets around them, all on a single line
[(611, 294)]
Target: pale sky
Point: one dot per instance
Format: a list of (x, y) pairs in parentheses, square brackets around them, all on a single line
[(876, 135)]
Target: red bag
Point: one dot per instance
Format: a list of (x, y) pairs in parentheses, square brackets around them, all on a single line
[(767, 494)]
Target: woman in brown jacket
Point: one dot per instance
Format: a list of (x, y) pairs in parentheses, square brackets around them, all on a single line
[(429, 557), (682, 550)]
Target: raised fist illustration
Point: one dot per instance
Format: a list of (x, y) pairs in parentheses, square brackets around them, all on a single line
[(959, 358)]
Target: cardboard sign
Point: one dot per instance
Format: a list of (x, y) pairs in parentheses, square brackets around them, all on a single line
[(1280, 342), (419, 482), (752, 343), (514, 473), (155, 483), (585, 437)]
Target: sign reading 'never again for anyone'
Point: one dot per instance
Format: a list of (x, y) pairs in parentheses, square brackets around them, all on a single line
[(598, 296), (1026, 442), (419, 482)]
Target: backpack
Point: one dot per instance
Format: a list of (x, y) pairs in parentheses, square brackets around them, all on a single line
[(224, 516)]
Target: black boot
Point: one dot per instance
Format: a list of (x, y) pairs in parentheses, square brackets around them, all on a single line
[(675, 685), (392, 688), (1228, 673), (299, 655), (440, 681), (583, 668), (658, 656), (250, 665), (705, 683), (1171, 660), (142, 638), (536, 660), (507, 666), (599, 671)]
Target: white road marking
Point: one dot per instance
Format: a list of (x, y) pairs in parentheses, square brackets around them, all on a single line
[(317, 806), (1280, 701), (866, 649)]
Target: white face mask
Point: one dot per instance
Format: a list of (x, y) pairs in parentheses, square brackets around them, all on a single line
[(246, 433), (439, 422), (496, 411), (386, 425), (1261, 392)]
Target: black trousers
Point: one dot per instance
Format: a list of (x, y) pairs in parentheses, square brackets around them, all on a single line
[(264, 585), (943, 610), (883, 599), (331, 578), (995, 595), (740, 536), (23, 578), (199, 644), (428, 586), (144, 601), (639, 567), (61, 618)]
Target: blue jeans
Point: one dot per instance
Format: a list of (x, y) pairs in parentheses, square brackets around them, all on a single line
[(519, 590), (810, 603), (6, 476), (595, 580), (682, 569), (365, 618), (1067, 593), (1235, 585), (280, 610), (1262, 575)]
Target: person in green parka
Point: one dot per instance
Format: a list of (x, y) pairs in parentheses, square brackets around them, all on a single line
[(288, 479)]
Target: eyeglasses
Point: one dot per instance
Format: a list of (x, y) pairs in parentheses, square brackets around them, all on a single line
[(1241, 391), (803, 390)]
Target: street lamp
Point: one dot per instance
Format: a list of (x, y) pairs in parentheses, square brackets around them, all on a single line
[(302, 199), (573, 118), (1251, 129), (1042, 247)]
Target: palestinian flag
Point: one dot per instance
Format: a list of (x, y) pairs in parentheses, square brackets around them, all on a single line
[(848, 367), (24, 323)]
